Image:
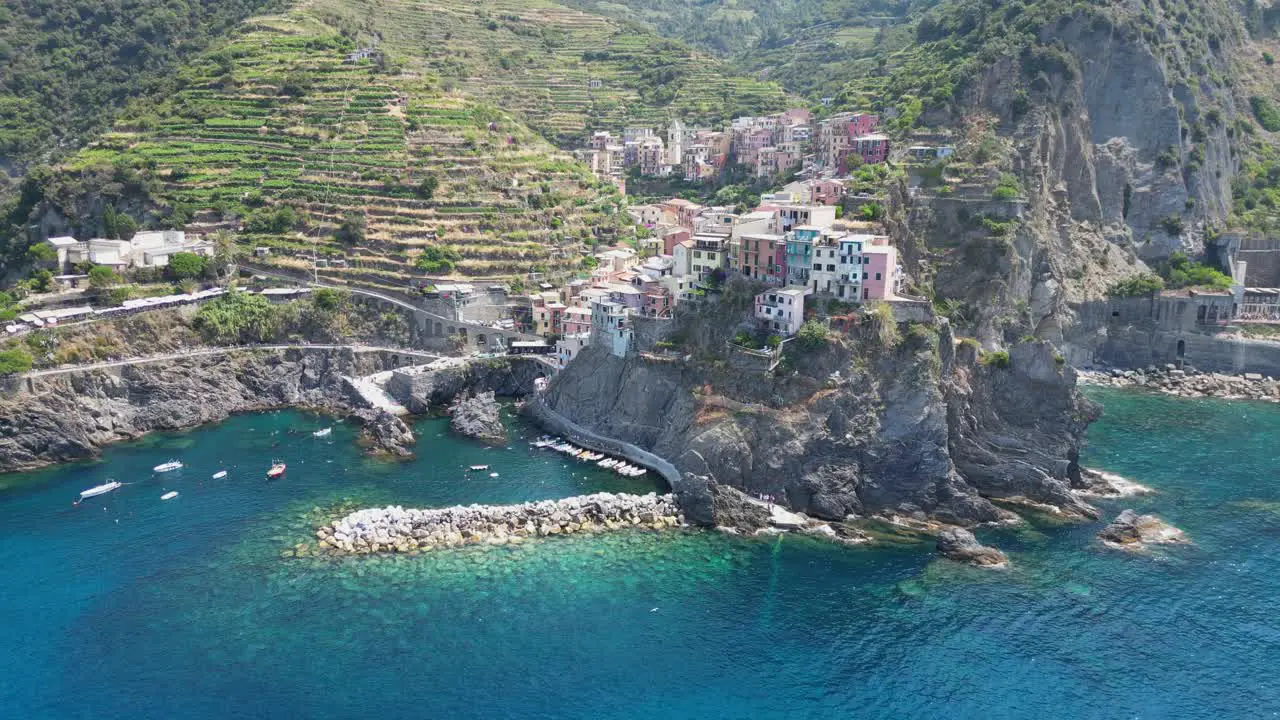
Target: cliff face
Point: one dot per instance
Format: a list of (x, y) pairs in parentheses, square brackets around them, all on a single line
[(1121, 136), (856, 428), (72, 416)]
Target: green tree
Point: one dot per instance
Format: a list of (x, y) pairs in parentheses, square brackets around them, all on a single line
[(41, 281), (352, 229), (427, 188), (330, 298), (42, 253), (186, 266), (812, 335)]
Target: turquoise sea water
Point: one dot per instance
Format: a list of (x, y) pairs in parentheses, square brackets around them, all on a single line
[(129, 607)]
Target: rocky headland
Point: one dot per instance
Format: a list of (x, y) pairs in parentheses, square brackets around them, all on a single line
[(960, 545), (399, 530), (1189, 383), (879, 420), (1134, 532), (478, 416)]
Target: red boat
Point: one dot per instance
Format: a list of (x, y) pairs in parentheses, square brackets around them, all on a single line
[(277, 470)]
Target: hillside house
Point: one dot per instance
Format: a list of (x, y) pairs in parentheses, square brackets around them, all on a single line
[(782, 309)]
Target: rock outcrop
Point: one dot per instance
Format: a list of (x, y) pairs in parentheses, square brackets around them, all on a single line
[(1187, 382), (1131, 531), (960, 545), (478, 416), (384, 434), (396, 529)]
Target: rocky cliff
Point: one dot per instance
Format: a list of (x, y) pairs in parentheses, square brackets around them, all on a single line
[(71, 416), (1121, 124), (880, 421)]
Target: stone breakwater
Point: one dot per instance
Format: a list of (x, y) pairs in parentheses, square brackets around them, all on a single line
[(400, 530), (1190, 383)]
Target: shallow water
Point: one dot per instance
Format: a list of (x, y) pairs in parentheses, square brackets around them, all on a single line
[(185, 609)]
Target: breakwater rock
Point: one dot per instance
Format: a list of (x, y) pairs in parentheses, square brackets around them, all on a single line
[(1188, 382), (397, 529), (478, 416)]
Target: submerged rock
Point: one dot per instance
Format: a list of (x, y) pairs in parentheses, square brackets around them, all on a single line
[(478, 416), (960, 545), (1131, 531)]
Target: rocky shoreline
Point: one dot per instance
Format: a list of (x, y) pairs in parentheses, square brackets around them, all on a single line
[(1188, 383), (396, 529)]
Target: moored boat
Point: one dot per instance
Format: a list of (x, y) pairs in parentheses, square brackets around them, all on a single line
[(100, 489), (168, 466), (323, 432), (169, 495), (220, 474), (478, 468), (277, 469)]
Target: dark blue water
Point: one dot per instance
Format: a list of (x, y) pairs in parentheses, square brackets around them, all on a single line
[(130, 607)]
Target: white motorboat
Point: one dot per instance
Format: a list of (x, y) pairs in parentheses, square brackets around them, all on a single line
[(323, 432), (493, 474), (166, 467), (220, 474), (100, 489), (169, 495), (478, 468)]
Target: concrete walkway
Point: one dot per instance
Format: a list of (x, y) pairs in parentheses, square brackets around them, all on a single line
[(373, 389)]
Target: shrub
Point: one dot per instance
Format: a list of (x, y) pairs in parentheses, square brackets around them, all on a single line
[(1265, 111), (102, 277), (1141, 284), (1172, 225), (886, 326), (999, 359), (1268, 58), (812, 335), (14, 361), (329, 298), (1179, 271), (427, 188), (237, 317)]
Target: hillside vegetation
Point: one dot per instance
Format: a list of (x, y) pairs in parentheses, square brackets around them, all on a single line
[(539, 58), (67, 65), (309, 153)]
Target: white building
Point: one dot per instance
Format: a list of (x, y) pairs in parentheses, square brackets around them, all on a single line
[(782, 309)]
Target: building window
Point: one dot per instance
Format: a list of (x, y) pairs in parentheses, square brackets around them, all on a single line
[(877, 276)]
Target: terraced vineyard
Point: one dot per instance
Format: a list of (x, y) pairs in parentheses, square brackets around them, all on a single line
[(277, 130), (540, 60)]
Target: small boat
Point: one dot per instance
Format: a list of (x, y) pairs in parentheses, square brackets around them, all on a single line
[(478, 468), (169, 495), (100, 489), (493, 474), (607, 463), (220, 474), (323, 432), (166, 467), (277, 470)]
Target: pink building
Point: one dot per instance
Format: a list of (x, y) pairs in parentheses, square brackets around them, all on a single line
[(762, 256), (826, 192), (873, 149), (879, 272), (684, 211), (673, 238), (577, 320)]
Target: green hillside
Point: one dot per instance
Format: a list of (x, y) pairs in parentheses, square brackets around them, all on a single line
[(276, 131), (538, 59), (67, 65), (810, 47)]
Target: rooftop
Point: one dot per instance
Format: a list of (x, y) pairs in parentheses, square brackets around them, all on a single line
[(63, 241)]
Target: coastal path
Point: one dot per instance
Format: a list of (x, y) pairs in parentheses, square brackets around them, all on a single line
[(224, 351)]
